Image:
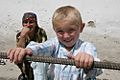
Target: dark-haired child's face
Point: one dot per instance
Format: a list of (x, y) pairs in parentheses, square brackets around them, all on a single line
[(29, 23), (67, 33)]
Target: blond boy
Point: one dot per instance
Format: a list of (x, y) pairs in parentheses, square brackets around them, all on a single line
[(67, 24)]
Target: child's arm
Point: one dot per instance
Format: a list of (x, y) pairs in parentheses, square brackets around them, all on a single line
[(21, 37)]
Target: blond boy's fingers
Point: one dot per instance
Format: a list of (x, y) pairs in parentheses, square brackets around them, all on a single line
[(8, 52), (86, 61), (77, 61), (82, 60), (75, 58), (16, 54), (11, 54), (70, 56), (21, 55), (91, 59)]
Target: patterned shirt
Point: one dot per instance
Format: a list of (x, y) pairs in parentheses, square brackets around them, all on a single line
[(54, 48), (39, 36)]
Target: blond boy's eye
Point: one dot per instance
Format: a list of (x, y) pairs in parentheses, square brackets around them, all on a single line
[(60, 31), (72, 30)]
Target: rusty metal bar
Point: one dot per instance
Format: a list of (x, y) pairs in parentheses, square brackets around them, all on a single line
[(64, 61)]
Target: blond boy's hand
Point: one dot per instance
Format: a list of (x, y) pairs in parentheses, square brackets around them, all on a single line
[(16, 55), (82, 60)]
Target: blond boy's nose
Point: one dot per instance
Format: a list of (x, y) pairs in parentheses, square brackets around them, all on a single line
[(66, 35)]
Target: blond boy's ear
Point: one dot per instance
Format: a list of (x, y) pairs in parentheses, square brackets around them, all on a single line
[(82, 27)]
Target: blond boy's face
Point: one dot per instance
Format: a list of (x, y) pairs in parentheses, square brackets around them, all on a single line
[(67, 33)]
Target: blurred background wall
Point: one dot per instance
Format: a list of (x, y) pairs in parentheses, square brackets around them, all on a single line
[(105, 13)]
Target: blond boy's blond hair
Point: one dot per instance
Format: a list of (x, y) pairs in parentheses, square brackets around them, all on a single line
[(69, 13)]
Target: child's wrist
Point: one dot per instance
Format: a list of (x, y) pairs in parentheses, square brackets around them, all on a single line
[(22, 36)]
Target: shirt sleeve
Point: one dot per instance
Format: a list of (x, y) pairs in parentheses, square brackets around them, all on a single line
[(43, 49), (91, 49)]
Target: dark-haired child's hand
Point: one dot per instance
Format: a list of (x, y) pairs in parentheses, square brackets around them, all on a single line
[(24, 32)]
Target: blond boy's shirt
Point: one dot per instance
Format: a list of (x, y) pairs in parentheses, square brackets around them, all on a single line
[(54, 48)]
